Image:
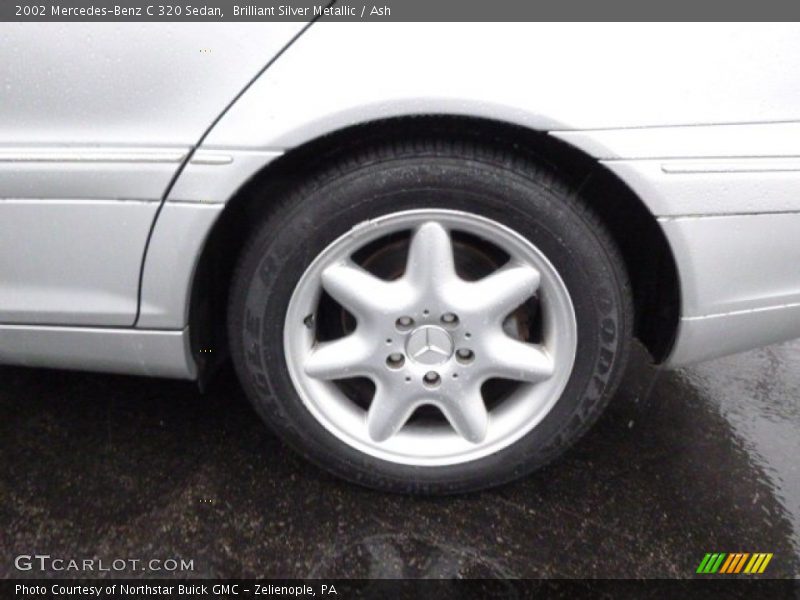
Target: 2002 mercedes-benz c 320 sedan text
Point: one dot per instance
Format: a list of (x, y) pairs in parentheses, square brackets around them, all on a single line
[(426, 248)]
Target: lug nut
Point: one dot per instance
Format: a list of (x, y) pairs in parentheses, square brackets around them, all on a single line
[(431, 379), (464, 355), (395, 360), (449, 319), (404, 323)]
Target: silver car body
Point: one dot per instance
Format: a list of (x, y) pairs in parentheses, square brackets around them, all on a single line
[(120, 145)]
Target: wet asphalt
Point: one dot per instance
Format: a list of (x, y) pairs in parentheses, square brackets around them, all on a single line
[(682, 463)]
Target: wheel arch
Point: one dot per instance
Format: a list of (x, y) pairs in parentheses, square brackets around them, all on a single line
[(644, 247)]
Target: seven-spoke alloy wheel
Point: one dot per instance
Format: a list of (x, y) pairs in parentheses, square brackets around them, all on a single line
[(431, 338), (430, 316)]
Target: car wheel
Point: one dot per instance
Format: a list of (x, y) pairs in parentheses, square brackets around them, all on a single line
[(430, 317)]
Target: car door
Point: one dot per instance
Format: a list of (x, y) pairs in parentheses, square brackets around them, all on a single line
[(95, 122)]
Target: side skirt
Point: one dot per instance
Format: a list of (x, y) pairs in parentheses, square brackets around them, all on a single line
[(153, 353)]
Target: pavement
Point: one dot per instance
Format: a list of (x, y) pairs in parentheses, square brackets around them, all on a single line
[(682, 463)]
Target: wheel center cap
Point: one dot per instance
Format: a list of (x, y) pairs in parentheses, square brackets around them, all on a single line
[(429, 345)]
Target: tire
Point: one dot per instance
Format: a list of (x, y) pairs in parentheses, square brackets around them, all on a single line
[(479, 186)]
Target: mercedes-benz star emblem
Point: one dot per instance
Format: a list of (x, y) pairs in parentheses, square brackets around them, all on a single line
[(429, 345)]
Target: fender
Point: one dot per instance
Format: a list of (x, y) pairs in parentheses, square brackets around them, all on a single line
[(639, 101)]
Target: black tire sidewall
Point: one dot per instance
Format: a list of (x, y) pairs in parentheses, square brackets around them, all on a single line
[(529, 201)]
